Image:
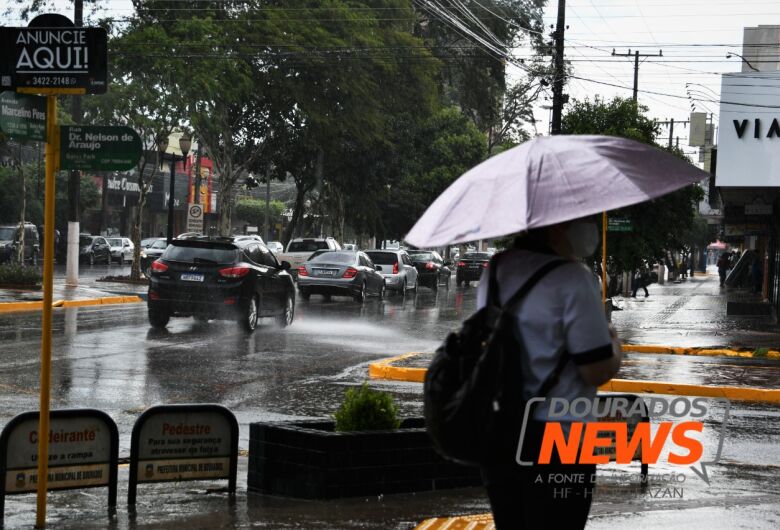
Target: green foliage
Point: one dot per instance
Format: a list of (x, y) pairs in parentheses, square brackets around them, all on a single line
[(15, 274), (664, 224), (253, 211), (365, 409), (761, 353)]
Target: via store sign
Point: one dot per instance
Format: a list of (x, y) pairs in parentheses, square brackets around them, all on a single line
[(749, 131), (53, 54)]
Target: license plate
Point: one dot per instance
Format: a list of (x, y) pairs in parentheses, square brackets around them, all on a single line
[(189, 277), (325, 272)]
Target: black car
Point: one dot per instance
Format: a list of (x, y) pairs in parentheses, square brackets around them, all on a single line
[(470, 267), (220, 278), (432, 270), (94, 249)]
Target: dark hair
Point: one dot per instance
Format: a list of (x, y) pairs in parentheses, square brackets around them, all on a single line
[(535, 240)]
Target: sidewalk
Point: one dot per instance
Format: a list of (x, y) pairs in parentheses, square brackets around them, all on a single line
[(89, 288)]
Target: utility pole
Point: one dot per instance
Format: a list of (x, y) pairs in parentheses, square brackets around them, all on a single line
[(196, 198), (74, 184), (557, 106), (636, 56), (671, 123)]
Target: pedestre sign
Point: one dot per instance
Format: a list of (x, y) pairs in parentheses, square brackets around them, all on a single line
[(51, 53)]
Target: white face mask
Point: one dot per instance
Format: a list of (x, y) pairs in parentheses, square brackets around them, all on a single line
[(583, 238)]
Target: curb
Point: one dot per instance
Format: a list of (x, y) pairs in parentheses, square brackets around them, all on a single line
[(482, 521), (19, 307), (384, 370), (705, 352)]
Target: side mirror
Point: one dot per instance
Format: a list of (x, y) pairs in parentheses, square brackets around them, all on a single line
[(285, 265)]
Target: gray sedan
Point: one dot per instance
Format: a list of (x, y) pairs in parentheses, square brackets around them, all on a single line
[(340, 273)]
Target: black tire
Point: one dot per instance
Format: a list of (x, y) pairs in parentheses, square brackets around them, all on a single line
[(361, 296), (108, 259), (382, 291), (402, 292), (158, 317), (286, 318), (435, 285), (459, 283), (249, 315), (91, 258)]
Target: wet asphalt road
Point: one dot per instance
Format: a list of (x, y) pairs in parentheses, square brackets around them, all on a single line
[(108, 358)]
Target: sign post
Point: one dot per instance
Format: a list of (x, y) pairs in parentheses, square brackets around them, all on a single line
[(49, 57)]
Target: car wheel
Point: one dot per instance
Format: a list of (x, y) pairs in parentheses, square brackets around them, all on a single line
[(402, 292), (158, 317), (108, 259), (361, 296), (435, 285), (286, 318), (249, 316), (382, 291), (91, 258), (459, 283)]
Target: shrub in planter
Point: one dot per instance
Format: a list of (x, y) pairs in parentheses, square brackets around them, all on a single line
[(15, 274), (365, 409)]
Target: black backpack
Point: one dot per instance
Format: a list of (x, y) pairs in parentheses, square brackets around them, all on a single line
[(473, 394)]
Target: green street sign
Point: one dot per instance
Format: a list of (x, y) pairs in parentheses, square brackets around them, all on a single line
[(619, 225), (23, 116), (97, 147)]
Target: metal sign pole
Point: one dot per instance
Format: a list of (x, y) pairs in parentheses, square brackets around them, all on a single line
[(52, 149), (604, 258)]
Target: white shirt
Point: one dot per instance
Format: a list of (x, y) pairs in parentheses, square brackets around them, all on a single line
[(562, 312)]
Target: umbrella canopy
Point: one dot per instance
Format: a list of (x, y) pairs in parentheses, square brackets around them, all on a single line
[(546, 181)]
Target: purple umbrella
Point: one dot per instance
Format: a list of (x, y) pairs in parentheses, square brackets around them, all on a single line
[(546, 181)]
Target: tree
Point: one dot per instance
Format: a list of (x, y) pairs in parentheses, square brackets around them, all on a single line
[(253, 211), (659, 225)]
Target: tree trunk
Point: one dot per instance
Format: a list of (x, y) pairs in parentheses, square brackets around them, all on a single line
[(225, 210), (135, 234)]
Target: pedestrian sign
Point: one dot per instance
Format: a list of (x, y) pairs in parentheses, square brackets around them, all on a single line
[(195, 218), (23, 117), (97, 147)]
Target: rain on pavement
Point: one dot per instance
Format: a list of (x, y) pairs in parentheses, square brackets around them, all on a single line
[(110, 359)]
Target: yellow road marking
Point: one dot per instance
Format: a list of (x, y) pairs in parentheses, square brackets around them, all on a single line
[(17, 307)]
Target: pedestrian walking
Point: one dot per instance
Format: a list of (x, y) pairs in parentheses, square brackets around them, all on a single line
[(724, 264), (562, 315), (641, 280)]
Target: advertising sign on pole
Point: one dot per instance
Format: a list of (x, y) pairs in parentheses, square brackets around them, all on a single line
[(83, 449), (174, 443), (23, 117), (97, 147), (54, 58)]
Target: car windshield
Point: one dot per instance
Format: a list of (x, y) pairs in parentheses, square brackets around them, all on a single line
[(307, 246), (192, 254), (162, 243), (85, 240), (476, 255), (7, 233), (422, 256), (346, 258), (114, 242), (383, 258)]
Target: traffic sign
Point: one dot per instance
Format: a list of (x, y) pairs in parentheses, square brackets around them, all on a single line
[(54, 58), (98, 147), (23, 117), (616, 224), (194, 218)]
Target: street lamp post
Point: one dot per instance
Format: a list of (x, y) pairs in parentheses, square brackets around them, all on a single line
[(729, 54), (184, 144)]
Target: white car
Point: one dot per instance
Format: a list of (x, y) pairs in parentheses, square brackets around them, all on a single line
[(121, 249), (275, 246)]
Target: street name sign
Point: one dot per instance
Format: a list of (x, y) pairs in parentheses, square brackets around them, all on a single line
[(174, 443), (23, 116), (83, 450), (54, 58), (617, 224), (98, 147), (194, 218)]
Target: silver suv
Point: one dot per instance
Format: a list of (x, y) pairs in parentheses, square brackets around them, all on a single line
[(397, 268)]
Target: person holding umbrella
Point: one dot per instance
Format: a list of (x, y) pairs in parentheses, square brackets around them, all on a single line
[(547, 190)]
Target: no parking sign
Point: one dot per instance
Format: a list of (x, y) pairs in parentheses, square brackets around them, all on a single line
[(194, 218)]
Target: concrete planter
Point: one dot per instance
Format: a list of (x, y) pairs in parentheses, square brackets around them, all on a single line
[(307, 459)]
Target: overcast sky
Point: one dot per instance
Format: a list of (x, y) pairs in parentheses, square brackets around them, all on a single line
[(695, 36)]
